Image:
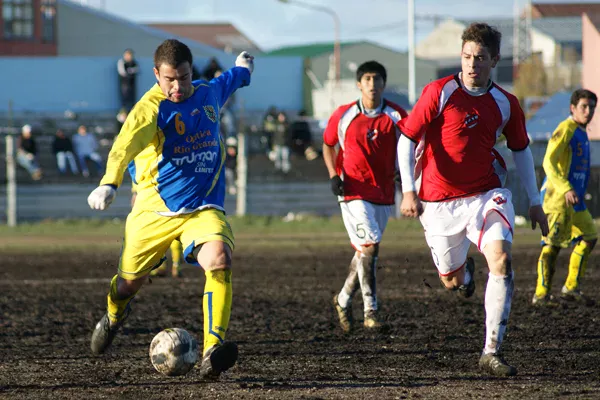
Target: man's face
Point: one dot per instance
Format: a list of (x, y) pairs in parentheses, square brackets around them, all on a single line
[(175, 83), (371, 86), (477, 64), (583, 112), (127, 56)]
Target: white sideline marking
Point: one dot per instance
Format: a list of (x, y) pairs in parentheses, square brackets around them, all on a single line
[(87, 281)]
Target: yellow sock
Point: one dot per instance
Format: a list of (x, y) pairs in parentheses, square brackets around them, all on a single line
[(116, 307), (578, 264), (216, 306), (546, 267), (176, 252)]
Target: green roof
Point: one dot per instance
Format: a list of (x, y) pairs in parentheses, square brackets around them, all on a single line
[(308, 50)]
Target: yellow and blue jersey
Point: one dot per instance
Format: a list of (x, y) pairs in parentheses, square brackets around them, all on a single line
[(567, 166), (174, 151)]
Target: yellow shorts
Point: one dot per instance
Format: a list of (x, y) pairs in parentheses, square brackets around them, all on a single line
[(149, 235), (568, 226)]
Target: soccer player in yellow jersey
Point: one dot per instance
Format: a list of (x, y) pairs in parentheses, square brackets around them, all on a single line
[(567, 167), (172, 137)]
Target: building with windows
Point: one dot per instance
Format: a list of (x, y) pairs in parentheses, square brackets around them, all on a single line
[(28, 28)]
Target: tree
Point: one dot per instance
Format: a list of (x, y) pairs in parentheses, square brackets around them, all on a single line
[(531, 79)]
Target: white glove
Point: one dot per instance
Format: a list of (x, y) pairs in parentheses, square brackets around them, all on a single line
[(101, 197), (245, 60)]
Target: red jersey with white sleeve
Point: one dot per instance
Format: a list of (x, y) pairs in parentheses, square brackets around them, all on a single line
[(458, 131), (366, 159)]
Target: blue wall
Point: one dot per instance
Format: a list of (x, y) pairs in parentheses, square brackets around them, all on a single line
[(90, 84)]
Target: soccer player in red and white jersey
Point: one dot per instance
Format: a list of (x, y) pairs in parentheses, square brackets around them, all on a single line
[(359, 148), (461, 198)]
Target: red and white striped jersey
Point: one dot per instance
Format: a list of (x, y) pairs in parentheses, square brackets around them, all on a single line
[(458, 132), (366, 159)]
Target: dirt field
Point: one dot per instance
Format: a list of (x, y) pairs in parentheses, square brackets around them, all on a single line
[(290, 344)]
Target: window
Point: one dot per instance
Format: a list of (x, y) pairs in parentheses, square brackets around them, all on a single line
[(48, 10), (18, 19)]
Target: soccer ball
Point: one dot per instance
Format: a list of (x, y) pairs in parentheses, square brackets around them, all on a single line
[(173, 351)]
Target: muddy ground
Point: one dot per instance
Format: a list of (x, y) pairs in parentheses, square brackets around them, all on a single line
[(290, 344)]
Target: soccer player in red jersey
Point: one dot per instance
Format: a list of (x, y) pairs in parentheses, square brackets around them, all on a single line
[(461, 199), (359, 148)]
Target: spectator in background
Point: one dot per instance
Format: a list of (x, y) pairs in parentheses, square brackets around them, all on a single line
[(128, 70), (27, 153), (196, 74), (231, 165), (269, 123), (281, 143), (301, 137), (62, 147), (210, 71), (86, 147)]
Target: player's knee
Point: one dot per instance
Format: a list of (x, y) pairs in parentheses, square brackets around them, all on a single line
[(127, 288), (219, 261), (552, 250), (450, 281), (370, 250), (590, 243), (501, 265)]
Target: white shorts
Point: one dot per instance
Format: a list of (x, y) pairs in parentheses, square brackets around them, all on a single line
[(364, 221), (451, 226)]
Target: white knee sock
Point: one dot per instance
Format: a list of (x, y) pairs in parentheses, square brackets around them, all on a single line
[(367, 278), (351, 285), (498, 299)]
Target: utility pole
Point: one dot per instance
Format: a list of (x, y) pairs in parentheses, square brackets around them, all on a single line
[(412, 95)]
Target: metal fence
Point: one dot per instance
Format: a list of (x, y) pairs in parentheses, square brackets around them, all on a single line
[(284, 196)]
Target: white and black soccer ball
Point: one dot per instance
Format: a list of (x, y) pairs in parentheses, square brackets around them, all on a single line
[(173, 351)]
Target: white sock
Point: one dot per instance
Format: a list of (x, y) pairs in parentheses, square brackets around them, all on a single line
[(498, 299), (344, 299), (368, 285), (351, 284)]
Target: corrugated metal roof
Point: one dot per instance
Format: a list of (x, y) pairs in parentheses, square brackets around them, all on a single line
[(223, 35), (546, 119), (561, 29), (310, 50), (564, 30), (543, 10), (150, 31)]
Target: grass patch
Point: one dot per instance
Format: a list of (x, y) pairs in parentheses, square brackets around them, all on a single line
[(250, 232)]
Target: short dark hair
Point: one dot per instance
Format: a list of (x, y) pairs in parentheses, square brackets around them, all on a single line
[(372, 67), (485, 35), (172, 52), (583, 94)]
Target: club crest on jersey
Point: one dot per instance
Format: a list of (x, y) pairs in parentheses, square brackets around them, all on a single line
[(210, 113), (471, 120), (372, 134), (499, 200)]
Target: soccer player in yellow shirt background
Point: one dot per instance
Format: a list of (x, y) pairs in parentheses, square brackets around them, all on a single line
[(567, 168)]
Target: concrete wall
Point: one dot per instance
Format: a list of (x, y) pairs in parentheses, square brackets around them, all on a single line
[(444, 42), (542, 43), (89, 84)]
